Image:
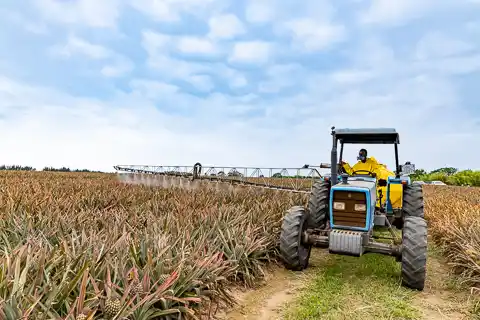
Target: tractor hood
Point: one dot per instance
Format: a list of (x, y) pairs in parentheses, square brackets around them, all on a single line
[(353, 182), (357, 182), (360, 184)]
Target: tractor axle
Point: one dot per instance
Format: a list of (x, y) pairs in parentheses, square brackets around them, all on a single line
[(369, 246)]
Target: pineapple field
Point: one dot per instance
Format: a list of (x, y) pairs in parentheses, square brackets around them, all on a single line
[(453, 214), (78, 245), (86, 246)]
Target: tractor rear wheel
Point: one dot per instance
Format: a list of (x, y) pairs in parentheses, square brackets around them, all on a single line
[(413, 201), (318, 204), (294, 253), (414, 252)]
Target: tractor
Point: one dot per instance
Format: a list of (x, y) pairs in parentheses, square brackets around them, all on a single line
[(343, 210)]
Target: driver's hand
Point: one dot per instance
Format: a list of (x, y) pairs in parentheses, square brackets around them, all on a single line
[(342, 162)]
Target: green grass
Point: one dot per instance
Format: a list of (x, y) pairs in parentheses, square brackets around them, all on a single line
[(346, 287)]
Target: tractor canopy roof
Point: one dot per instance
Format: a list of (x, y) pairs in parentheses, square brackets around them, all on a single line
[(368, 136)]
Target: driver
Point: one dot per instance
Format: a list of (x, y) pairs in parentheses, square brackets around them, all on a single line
[(372, 165), (364, 163)]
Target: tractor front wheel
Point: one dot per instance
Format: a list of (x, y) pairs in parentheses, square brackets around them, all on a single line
[(412, 204), (413, 201), (414, 253), (318, 205), (294, 253)]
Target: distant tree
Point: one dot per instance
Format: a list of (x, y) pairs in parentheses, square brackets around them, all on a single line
[(62, 169), (16, 168), (65, 169), (417, 174), (447, 170)]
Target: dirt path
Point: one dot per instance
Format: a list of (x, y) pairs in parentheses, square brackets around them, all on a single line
[(337, 287), (442, 298), (267, 302)]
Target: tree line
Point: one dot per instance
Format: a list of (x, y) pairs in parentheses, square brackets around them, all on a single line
[(449, 175), (29, 168)]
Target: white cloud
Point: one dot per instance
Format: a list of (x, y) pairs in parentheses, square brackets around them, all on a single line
[(225, 26), (154, 90), (467, 64), (154, 41), (91, 13), (256, 52), (238, 81), (158, 47), (196, 45), (201, 82), (396, 12), (115, 64), (260, 11), (157, 10), (235, 78), (173, 68), (76, 45), (21, 21), (351, 76), (280, 76), (171, 10), (437, 45), (119, 67), (158, 44), (312, 35), (372, 54)]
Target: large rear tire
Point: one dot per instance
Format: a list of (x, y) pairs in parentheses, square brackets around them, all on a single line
[(294, 253), (318, 204), (414, 253)]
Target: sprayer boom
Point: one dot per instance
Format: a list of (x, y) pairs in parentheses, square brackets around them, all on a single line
[(298, 180)]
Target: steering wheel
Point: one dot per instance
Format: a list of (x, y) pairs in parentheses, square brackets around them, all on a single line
[(370, 173)]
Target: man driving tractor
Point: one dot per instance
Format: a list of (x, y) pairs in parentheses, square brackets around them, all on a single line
[(370, 164), (364, 163)]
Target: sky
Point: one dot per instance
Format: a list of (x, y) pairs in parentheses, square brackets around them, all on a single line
[(92, 84)]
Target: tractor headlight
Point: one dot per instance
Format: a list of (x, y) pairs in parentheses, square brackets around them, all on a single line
[(339, 205), (360, 207)]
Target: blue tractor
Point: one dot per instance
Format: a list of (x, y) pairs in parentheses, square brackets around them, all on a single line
[(343, 210)]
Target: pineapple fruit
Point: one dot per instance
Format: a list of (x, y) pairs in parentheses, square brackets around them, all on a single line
[(81, 316), (164, 277), (112, 307), (137, 287)]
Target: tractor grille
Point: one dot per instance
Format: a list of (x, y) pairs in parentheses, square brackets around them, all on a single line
[(349, 217)]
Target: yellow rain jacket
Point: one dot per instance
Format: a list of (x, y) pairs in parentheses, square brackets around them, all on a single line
[(371, 164), (381, 171)]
